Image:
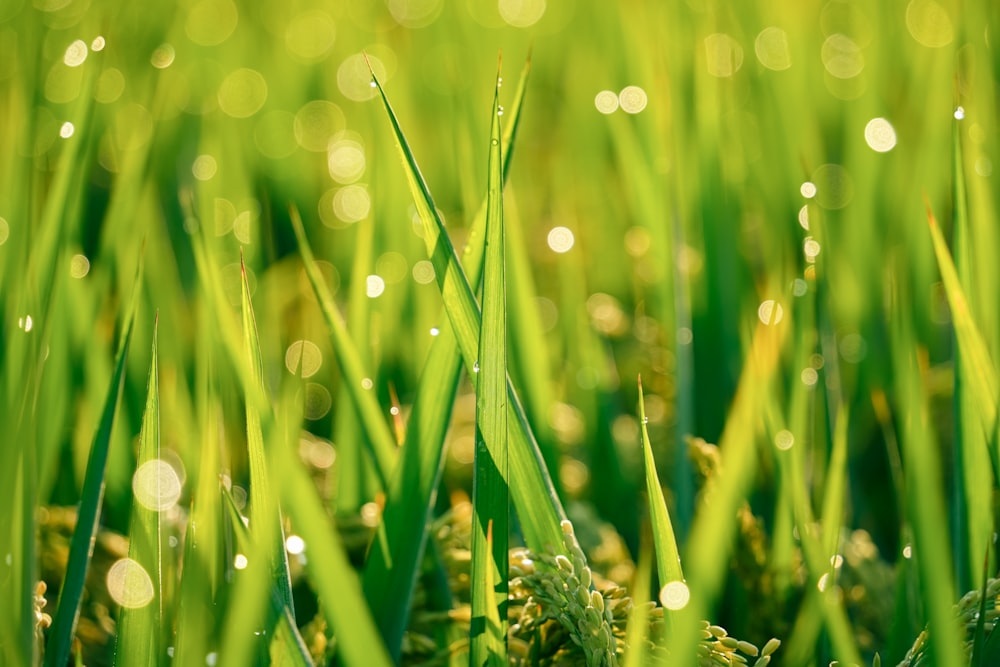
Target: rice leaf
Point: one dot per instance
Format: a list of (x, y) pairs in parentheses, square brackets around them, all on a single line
[(287, 646), (538, 507), (979, 634), (330, 571), (81, 548), (200, 576), (668, 558), (490, 495), (380, 440), (710, 542), (262, 500), (977, 367), (637, 630), (140, 627), (389, 581), (971, 470), (925, 504)]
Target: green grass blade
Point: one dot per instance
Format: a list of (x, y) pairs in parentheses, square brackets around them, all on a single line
[(637, 630), (200, 577), (836, 487), (972, 492), (710, 541), (668, 558), (262, 501), (490, 495), (538, 507), (380, 438), (333, 578), (979, 634), (391, 571), (925, 503), (290, 647), (57, 649), (977, 367), (140, 625)]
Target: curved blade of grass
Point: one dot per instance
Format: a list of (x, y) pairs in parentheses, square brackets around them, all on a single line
[(976, 365), (389, 581), (335, 582), (291, 649), (971, 470), (490, 495), (382, 444), (711, 540), (81, 548), (925, 503), (836, 487), (140, 629), (262, 500), (538, 507), (668, 558), (637, 630), (202, 543)]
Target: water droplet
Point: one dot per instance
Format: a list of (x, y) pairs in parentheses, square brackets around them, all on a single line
[(959, 113), (675, 595), (394, 411), (494, 142), (560, 239), (156, 485), (784, 440), (303, 357), (129, 584), (295, 544), (240, 562), (808, 189), (770, 312), (98, 43), (373, 84), (645, 420), (908, 551), (67, 129), (475, 367), (435, 331)]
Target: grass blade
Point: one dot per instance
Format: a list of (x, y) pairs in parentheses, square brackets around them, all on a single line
[(538, 507), (335, 582), (490, 495), (262, 501), (976, 364), (81, 547), (668, 558), (380, 439), (140, 625), (389, 580)]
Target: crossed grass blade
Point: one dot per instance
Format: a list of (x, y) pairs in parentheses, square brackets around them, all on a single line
[(490, 494), (538, 507), (972, 491), (668, 558), (140, 636), (200, 576), (382, 445), (977, 368), (925, 505), (81, 546), (709, 544), (391, 569)]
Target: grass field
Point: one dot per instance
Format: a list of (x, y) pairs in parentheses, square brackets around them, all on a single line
[(321, 342)]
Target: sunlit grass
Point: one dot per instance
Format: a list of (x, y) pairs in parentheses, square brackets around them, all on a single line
[(296, 434)]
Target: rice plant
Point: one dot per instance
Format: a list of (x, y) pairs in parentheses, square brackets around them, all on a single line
[(323, 333)]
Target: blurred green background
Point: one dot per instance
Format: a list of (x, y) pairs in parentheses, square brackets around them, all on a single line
[(684, 171)]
